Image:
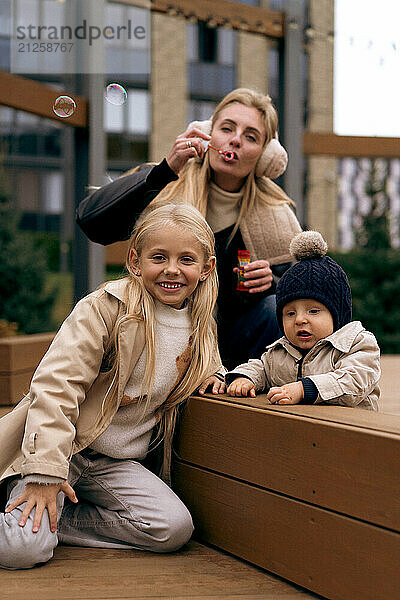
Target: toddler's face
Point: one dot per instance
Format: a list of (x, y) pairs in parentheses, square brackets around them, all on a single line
[(171, 264), (305, 321)]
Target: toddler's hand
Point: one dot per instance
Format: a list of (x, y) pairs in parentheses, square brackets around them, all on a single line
[(242, 387), (217, 386), (290, 393)]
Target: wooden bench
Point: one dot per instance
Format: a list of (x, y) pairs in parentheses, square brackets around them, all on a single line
[(310, 493), (19, 357)]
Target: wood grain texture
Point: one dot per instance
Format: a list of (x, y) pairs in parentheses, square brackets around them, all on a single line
[(195, 572), (333, 555), (330, 144), (344, 468), (248, 18), (31, 96)]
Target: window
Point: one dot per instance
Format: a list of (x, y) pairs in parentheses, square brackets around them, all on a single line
[(131, 117)]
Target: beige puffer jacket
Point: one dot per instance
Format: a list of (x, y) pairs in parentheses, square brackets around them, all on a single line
[(345, 367)]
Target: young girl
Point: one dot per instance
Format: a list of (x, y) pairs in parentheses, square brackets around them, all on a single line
[(122, 362)]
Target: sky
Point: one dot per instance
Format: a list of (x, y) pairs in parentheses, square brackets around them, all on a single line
[(367, 68)]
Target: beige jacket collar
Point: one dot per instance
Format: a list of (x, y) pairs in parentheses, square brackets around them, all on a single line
[(342, 340)]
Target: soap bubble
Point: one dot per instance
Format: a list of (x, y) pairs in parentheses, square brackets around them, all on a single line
[(64, 106), (116, 94)]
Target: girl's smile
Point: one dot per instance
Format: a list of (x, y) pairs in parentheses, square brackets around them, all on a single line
[(171, 264)]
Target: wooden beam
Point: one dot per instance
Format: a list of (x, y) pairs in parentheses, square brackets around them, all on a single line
[(295, 455), (37, 98), (232, 14), (326, 552), (330, 144)]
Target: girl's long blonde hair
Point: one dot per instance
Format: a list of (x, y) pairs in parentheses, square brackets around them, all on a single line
[(204, 354), (194, 178)]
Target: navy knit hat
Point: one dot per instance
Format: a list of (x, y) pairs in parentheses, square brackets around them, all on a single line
[(315, 276)]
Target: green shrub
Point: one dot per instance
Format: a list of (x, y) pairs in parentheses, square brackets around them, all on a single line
[(374, 277), (23, 266)]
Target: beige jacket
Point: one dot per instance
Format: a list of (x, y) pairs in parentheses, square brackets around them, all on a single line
[(345, 367), (57, 418)]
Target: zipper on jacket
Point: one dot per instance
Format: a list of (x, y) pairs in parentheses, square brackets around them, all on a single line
[(300, 369)]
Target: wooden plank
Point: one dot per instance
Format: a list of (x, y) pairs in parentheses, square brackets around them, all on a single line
[(116, 253), (23, 352), (194, 572), (37, 98), (389, 384), (224, 12), (356, 417), (333, 555), (343, 468), (13, 386), (331, 144)]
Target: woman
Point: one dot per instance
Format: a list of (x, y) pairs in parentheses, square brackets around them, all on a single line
[(244, 208)]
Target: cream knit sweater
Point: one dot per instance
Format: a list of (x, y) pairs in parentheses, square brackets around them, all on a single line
[(129, 433)]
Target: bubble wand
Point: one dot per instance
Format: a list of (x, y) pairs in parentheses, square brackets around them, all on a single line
[(228, 155)]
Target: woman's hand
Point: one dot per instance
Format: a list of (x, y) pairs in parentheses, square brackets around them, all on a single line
[(258, 276), (217, 386), (187, 145), (40, 497), (242, 386), (290, 393)]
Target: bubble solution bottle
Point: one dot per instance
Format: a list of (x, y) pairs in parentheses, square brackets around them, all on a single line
[(243, 259)]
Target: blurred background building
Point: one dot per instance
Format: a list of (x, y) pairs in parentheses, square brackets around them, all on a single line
[(193, 64)]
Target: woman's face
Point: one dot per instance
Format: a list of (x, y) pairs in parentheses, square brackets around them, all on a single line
[(239, 129)]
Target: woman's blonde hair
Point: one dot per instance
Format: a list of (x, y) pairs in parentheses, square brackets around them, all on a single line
[(194, 178), (204, 354)]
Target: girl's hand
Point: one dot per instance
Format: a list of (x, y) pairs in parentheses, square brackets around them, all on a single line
[(258, 276), (42, 497), (290, 393), (217, 386), (242, 387), (187, 145)]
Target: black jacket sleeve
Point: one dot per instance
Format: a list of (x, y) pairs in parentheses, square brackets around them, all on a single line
[(109, 214)]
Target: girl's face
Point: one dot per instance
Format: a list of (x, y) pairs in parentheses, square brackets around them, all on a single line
[(241, 130), (305, 322), (171, 264)]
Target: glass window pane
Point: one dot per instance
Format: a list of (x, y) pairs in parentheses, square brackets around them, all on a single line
[(5, 18), (26, 12), (138, 28), (114, 16), (192, 42), (113, 116), (52, 190), (138, 111), (226, 46)]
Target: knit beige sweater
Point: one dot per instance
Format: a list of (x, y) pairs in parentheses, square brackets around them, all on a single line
[(267, 229)]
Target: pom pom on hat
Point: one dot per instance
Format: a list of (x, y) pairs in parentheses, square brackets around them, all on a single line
[(308, 244)]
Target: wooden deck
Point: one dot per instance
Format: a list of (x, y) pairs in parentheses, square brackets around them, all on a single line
[(196, 572)]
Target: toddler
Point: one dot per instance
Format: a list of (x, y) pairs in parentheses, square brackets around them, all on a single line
[(324, 357)]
